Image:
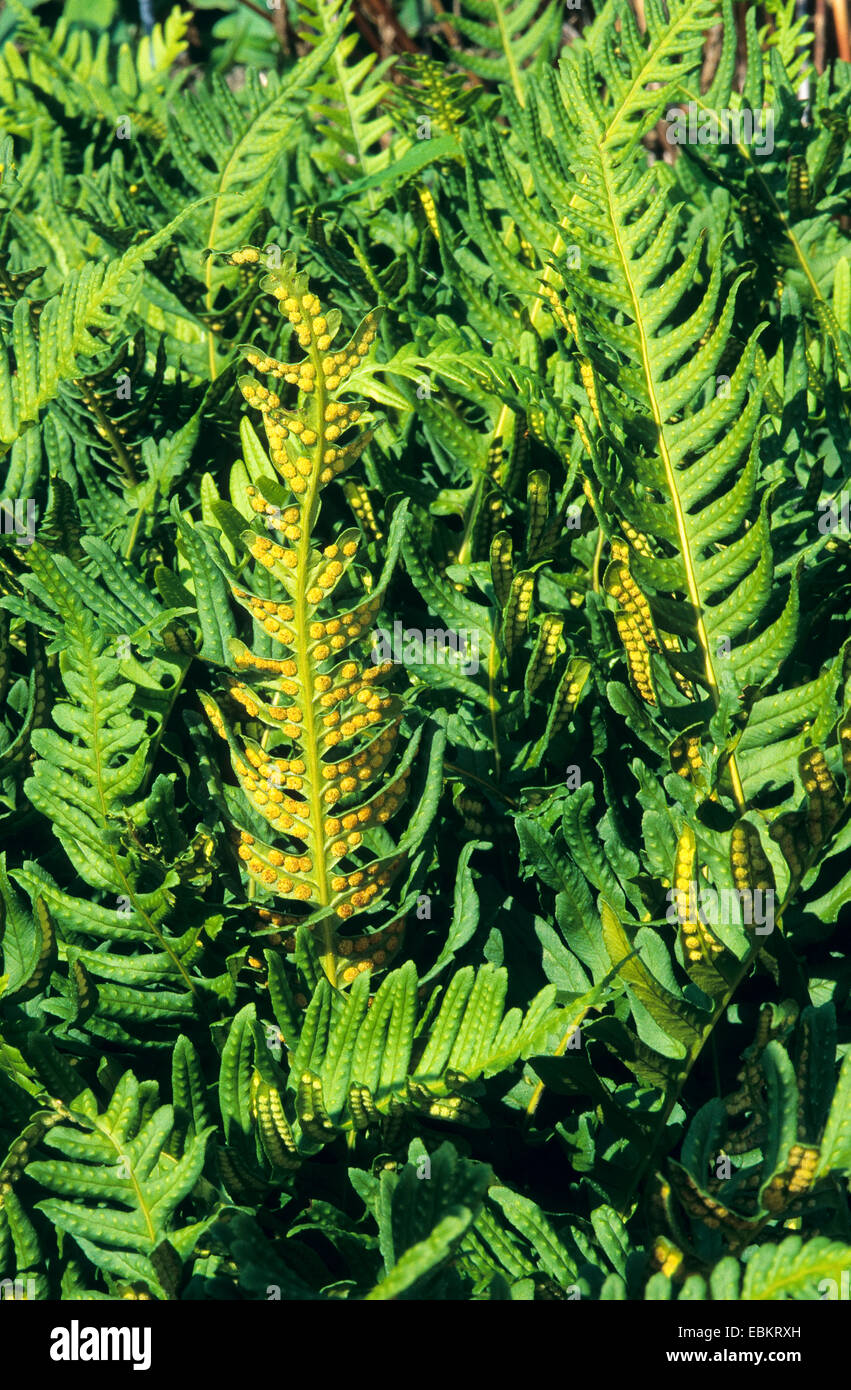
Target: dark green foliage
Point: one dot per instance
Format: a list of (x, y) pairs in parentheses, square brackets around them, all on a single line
[(435, 888)]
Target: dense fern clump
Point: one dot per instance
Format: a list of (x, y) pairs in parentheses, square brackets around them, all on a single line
[(425, 674)]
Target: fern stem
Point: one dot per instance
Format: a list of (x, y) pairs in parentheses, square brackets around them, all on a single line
[(257, 9), (452, 38), (493, 703), (559, 1052), (595, 564), (151, 926), (134, 533), (301, 624)]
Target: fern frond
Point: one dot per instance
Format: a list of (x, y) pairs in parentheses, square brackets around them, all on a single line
[(789, 190), (429, 92), (794, 1269), (420, 1229), (226, 148), (631, 76), (118, 1188), (37, 355), (682, 458), (320, 704), (355, 1061), (89, 780)]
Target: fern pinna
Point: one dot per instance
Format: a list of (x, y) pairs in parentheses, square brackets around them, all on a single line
[(327, 729)]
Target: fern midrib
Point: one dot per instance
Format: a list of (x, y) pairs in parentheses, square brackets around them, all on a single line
[(670, 472), (112, 436), (134, 1181), (650, 71), (645, 75), (305, 666), (506, 44), (493, 703)]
